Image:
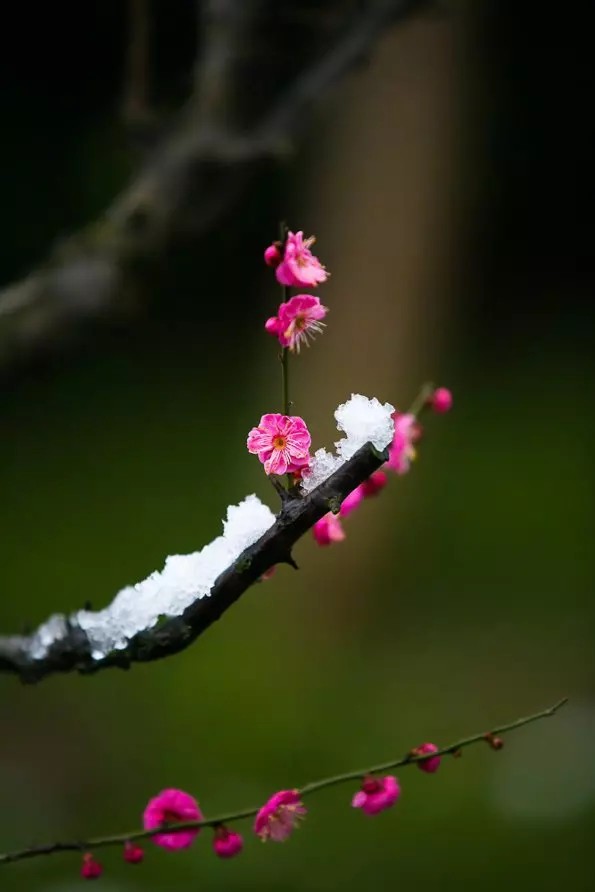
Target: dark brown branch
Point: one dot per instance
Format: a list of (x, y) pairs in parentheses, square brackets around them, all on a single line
[(196, 175), (73, 653)]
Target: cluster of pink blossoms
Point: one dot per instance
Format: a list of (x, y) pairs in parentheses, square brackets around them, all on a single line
[(282, 442), (401, 453), (275, 820), (300, 317)]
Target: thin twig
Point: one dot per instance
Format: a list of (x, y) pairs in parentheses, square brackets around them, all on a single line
[(421, 399), (285, 380), (313, 787), (284, 356)]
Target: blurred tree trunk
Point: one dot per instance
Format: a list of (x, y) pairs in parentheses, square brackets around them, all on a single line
[(382, 198)]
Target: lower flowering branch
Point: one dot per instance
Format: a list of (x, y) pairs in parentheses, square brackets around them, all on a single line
[(278, 816)]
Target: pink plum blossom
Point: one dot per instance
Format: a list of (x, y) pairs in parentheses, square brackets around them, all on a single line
[(328, 530), (272, 255), (281, 443), (172, 807), (441, 400), (432, 763), (374, 484), (226, 843), (133, 854), (352, 501), (376, 794), (401, 452), (299, 267), (297, 321), (90, 868), (279, 816)]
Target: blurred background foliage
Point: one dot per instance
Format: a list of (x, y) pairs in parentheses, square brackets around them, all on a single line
[(446, 181)]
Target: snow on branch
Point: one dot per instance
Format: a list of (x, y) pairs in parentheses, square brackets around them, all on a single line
[(168, 610)]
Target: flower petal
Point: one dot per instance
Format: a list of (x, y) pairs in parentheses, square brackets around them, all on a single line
[(258, 440), (277, 463)]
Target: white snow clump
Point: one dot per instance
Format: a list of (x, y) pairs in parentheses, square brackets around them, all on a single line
[(363, 421), (184, 579)]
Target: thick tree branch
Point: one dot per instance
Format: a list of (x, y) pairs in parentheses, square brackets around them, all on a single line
[(198, 172), (72, 652), (409, 758)]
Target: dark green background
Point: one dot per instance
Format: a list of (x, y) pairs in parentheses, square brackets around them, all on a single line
[(463, 597)]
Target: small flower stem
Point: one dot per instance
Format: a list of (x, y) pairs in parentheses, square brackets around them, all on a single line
[(313, 787), (421, 399), (285, 295), (285, 380), (286, 402)]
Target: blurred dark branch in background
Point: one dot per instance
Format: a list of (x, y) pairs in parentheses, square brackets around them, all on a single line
[(136, 105), (72, 652), (226, 31), (196, 172)]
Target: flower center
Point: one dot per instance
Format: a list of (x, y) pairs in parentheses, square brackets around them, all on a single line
[(300, 321), (279, 442)]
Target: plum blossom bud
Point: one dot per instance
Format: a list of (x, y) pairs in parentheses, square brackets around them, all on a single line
[(272, 325), (441, 400), (377, 794), (226, 843), (432, 763), (352, 501), (328, 530), (90, 868), (272, 255), (496, 743), (374, 484), (133, 853)]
